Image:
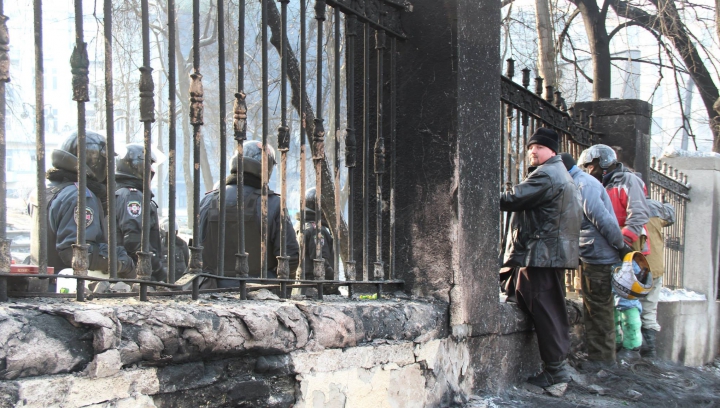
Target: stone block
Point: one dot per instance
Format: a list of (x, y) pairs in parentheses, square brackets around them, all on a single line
[(385, 386), (498, 361), (331, 328), (34, 343), (76, 391), (105, 364), (369, 356), (686, 336)]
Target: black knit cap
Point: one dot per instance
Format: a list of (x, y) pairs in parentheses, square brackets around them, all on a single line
[(568, 160), (546, 137)]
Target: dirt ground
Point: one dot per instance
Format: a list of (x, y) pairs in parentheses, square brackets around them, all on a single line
[(640, 383)]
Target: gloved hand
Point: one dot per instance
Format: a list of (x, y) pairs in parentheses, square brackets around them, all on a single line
[(125, 264), (98, 257), (624, 250), (629, 236)]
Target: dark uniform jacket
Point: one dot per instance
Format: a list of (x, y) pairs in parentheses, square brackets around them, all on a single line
[(326, 240), (182, 255), (128, 213), (545, 225), (208, 233), (63, 216)]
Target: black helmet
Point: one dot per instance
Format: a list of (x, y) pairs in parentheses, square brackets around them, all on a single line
[(310, 200), (65, 157), (252, 159), (132, 163)]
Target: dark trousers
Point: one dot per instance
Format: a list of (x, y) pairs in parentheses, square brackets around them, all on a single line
[(599, 308), (541, 293)]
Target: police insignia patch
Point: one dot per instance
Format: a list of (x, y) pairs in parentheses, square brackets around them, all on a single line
[(134, 209), (89, 216)]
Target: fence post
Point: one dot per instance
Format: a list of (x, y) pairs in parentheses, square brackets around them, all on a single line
[(690, 328), (625, 125)]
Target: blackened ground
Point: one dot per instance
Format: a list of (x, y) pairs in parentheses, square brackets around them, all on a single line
[(640, 383)]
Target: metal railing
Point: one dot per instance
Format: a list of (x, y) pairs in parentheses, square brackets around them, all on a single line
[(357, 21), (668, 185), (525, 111)]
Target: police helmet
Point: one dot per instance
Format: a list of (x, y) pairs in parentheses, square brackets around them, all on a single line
[(165, 225), (632, 278), (131, 162), (604, 153), (65, 157), (252, 159), (310, 200)]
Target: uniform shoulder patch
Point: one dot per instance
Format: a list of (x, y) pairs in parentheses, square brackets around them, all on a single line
[(134, 209), (89, 216)]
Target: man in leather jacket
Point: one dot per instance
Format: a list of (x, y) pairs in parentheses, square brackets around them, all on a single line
[(544, 241)]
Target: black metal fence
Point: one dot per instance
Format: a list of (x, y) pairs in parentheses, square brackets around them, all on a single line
[(525, 111), (668, 185), (357, 22)]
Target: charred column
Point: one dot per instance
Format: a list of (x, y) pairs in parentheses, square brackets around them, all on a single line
[(239, 129), (79, 64), (147, 116), (196, 120)]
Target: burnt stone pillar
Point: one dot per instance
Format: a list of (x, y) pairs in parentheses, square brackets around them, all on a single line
[(625, 125), (448, 158)]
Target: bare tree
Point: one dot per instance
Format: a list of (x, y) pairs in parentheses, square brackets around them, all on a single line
[(546, 47)]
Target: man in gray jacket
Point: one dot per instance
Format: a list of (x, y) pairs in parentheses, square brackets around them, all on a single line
[(601, 246), (545, 229)]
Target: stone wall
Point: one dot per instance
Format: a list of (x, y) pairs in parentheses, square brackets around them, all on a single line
[(224, 352)]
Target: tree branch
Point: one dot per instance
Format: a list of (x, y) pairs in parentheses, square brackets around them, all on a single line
[(649, 62)]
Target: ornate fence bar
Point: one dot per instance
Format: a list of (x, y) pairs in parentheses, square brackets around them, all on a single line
[(667, 185), (379, 23), (524, 112)]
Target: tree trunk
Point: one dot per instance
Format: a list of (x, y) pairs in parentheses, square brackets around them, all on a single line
[(546, 49), (594, 21)]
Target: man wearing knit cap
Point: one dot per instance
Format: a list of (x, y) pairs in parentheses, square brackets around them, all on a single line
[(601, 246), (543, 242)]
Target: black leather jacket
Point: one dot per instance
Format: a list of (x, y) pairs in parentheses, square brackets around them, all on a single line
[(545, 225)]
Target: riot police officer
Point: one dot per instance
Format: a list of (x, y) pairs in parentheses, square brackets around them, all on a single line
[(309, 234), (63, 214), (182, 252), (129, 207), (210, 211)]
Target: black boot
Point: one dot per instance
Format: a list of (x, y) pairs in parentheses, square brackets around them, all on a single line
[(647, 349), (628, 355), (554, 373)]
